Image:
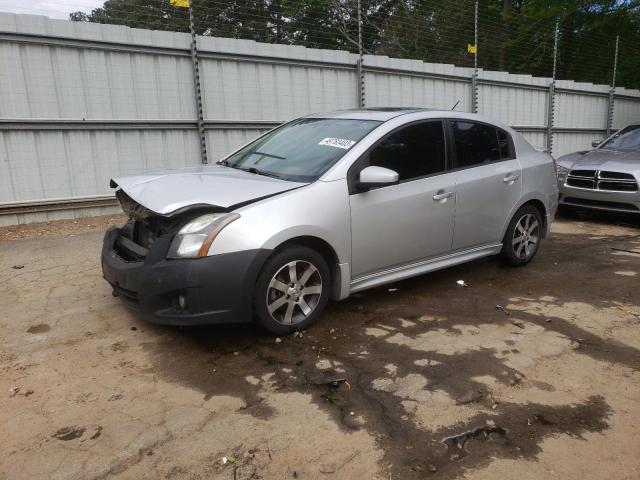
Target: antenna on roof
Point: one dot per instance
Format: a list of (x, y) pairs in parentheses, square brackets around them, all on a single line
[(454, 107)]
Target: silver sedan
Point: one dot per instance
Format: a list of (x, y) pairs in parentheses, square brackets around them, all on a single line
[(322, 207), (605, 178)]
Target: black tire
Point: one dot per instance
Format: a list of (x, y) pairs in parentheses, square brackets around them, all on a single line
[(518, 247), (277, 268)]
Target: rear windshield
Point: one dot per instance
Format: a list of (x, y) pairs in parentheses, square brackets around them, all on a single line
[(302, 150), (626, 139)]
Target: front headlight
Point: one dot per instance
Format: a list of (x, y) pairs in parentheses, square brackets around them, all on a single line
[(194, 239), (561, 173)]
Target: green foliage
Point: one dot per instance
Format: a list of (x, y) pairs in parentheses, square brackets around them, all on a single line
[(514, 35)]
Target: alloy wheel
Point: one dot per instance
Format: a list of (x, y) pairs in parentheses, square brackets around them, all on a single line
[(526, 236), (294, 292)]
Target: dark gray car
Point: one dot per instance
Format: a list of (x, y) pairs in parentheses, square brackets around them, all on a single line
[(605, 178)]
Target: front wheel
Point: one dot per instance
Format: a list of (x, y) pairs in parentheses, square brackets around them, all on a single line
[(523, 237), (292, 290)]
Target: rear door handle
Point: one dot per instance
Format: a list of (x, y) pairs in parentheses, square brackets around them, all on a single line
[(511, 178), (441, 195)]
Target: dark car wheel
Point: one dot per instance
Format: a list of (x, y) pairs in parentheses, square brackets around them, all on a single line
[(292, 290), (523, 237)]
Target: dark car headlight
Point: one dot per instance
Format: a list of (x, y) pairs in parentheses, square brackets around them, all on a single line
[(195, 238)]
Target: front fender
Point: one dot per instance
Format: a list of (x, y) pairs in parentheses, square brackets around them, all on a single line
[(318, 210)]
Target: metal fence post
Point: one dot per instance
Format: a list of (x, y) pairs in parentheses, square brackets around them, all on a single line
[(551, 104), (474, 77), (612, 90), (198, 90), (361, 86)]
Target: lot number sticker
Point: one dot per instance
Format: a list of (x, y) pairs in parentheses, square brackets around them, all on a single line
[(337, 142)]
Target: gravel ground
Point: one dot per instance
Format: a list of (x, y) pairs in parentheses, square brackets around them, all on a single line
[(420, 379)]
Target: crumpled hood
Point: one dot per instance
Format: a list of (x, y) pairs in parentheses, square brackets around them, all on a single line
[(627, 161), (166, 191)]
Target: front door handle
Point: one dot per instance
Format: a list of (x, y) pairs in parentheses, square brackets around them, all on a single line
[(511, 178), (442, 195)]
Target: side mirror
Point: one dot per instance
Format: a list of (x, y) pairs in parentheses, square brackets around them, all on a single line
[(376, 177), (595, 143)]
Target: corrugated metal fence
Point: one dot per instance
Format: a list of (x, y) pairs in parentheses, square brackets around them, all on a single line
[(82, 102)]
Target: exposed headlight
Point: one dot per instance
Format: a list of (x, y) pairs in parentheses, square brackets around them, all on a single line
[(194, 239), (561, 172)]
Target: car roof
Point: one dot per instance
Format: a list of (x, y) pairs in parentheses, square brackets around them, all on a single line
[(381, 114), (384, 114)]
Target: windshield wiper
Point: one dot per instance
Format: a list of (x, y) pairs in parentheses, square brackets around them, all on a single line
[(250, 170), (268, 155), (260, 172)]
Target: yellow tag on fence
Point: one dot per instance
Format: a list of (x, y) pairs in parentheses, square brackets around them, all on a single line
[(470, 48), (180, 3)]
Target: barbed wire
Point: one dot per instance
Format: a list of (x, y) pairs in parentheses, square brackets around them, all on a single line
[(432, 31)]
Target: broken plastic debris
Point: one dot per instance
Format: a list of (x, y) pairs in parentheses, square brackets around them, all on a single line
[(392, 289), (18, 391), (462, 283), (457, 442), (335, 383)]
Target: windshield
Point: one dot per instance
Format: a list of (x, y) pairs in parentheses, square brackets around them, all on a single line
[(626, 139), (302, 150)]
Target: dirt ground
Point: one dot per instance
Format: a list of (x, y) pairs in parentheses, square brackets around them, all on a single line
[(420, 379)]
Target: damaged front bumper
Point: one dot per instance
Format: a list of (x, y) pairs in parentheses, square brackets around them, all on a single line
[(193, 291)]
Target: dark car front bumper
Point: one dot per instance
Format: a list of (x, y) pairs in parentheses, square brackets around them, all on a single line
[(217, 289)]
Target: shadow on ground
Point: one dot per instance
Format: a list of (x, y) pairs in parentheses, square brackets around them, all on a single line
[(572, 268)]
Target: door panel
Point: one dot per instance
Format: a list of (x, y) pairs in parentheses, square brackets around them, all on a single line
[(488, 182), (399, 224), (485, 195)]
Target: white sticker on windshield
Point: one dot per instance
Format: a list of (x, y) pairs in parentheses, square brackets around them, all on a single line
[(337, 142)]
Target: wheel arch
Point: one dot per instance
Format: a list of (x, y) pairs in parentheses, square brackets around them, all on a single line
[(539, 205), (536, 202), (327, 252)]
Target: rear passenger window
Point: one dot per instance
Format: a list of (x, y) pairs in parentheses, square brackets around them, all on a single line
[(414, 151), (504, 143), (475, 143)]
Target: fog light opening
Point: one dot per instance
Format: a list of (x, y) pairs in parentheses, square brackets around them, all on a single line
[(182, 302)]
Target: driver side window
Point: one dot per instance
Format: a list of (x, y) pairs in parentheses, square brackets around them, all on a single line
[(414, 151)]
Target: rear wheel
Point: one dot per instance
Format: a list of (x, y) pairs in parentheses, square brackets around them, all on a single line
[(292, 290), (523, 237)]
